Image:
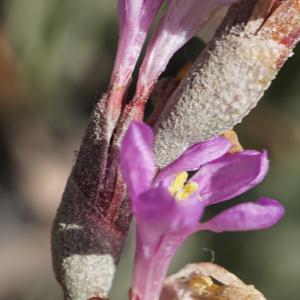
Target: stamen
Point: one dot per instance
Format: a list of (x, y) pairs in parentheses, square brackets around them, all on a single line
[(200, 281), (203, 285), (178, 183), (187, 190), (232, 137)]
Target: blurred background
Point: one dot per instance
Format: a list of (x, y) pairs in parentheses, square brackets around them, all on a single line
[(55, 60)]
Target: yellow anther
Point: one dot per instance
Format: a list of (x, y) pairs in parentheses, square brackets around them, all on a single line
[(178, 182), (179, 189), (204, 286), (201, 281), (187, 190), (232, 137)]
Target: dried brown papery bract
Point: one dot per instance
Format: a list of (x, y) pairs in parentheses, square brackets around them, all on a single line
[(207, 281)]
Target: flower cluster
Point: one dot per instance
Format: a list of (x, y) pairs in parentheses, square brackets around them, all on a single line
[(168, 205), (251, 44)]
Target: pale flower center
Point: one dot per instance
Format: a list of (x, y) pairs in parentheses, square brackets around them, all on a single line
[(182, 190)]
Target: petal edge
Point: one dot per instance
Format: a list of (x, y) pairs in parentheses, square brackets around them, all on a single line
[(248, 216), (136, 158)]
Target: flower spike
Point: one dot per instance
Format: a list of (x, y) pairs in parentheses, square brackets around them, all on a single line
[(92, 222)]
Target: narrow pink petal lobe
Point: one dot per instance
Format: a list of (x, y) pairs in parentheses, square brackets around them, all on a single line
[(135, 17), (231, 175), (196, 156), (137, 162), (247, 216)]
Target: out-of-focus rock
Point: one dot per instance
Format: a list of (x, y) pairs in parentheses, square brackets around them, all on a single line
[(207, 281)]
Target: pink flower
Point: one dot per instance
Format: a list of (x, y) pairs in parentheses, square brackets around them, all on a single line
[(135, 18), (168, 206)]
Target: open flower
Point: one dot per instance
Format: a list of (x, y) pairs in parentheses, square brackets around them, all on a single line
[(168, 206)]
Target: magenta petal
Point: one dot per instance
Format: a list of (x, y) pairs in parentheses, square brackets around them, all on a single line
[(231, 175), (247, 216), (162, 225), (135, 17), (151, 265), (196, 156), (136, 158), (158, 214)]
